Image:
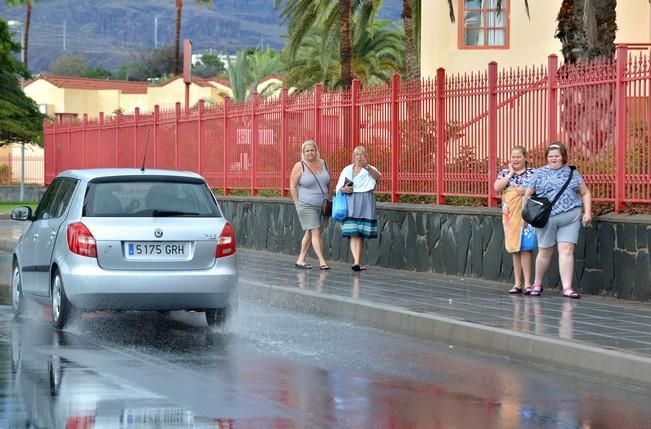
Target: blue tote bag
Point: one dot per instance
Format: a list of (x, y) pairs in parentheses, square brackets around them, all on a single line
[(340, 207)]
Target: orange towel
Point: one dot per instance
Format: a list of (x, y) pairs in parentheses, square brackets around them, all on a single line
[(512, 219)]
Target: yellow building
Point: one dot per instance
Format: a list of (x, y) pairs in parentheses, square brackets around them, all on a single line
[(480, 35), (66, 98)]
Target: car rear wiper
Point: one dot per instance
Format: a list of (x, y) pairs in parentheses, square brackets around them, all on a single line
[(163, 213)]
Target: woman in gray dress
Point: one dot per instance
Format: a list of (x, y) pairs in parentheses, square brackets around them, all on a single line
[(309, 185)]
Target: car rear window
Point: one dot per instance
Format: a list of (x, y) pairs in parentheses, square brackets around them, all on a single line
[(146, 197)]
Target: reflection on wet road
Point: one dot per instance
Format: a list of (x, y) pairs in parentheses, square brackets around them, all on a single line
[(271, 368)]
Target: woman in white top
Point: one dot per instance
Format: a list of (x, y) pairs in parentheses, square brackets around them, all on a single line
[(361, 221)]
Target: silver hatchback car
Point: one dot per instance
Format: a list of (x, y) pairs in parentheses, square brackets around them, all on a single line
[(126, 239)]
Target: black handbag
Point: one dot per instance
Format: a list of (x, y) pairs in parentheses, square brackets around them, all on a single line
[(326, 205), (538, 209)]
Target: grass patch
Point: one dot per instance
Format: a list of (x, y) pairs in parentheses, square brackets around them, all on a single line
[(6, 207)]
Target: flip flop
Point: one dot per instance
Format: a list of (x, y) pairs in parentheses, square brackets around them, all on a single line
[(537, 290), (515, 290), (571, 293), (303, 266), (358, 267), (324, 267)]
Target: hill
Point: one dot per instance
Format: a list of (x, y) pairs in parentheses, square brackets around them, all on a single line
[(115, 32)]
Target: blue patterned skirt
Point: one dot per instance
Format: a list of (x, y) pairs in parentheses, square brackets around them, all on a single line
[(362, 217)]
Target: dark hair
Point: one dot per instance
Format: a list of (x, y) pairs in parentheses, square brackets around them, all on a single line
[(560, 147), (521, 149)]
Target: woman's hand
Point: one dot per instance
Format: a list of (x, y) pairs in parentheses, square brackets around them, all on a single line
[(587, 219), (348, 189)]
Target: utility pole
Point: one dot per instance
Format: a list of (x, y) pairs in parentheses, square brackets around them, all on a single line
[(64, 35), (19, 25), (156, 32)]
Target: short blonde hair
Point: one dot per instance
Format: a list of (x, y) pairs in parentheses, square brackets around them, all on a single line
[(309, 143), (360, 150)]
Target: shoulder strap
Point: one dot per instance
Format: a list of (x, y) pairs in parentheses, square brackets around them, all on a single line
[(567, 182), (315, 178)]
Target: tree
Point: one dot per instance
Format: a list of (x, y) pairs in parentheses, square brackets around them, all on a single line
[(378, 53), (20, 119), (69, 65), (209, 65), (336, 17), (177, 29), (411, 24), (28, 20), (249, 69)]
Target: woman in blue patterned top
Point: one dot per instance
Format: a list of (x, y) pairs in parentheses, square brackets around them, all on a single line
[(573, 208), (519, 236)]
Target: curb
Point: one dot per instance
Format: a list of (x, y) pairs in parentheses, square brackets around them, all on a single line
[(581, 358)]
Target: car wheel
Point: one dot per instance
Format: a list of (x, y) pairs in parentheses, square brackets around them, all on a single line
[(61, 308), (16, 292), (216, 317)]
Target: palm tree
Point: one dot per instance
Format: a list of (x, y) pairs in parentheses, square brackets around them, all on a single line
[(377, 54), (336, 16), (249, 69), (177, 36), (411, 23), (28, 20)]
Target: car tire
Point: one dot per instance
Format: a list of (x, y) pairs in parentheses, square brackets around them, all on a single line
[(217, 316), (62, 309), (17, 297)]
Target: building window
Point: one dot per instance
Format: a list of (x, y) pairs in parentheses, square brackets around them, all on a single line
[(66, 117), (482, 27)]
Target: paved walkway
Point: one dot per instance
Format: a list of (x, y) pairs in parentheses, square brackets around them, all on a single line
[(596, 335)]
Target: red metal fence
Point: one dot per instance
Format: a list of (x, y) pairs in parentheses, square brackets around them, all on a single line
[(445, 137)]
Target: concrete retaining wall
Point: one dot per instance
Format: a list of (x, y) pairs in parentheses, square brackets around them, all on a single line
[(12, 193), (612, 257)]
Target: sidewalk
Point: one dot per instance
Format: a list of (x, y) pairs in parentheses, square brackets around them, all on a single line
[(595, 336)]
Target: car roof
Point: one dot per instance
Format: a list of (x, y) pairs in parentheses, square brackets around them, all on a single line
[(93, 173)]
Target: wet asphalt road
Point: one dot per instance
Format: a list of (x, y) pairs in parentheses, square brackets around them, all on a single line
[(271, 368)]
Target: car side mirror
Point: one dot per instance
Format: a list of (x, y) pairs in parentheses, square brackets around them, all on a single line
[(21, 213)]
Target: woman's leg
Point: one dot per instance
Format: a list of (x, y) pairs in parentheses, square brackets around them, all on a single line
[(317, 246), (542, 263), (566, 263), (525, 263), (517, 270), (356, 249), (306, 242)]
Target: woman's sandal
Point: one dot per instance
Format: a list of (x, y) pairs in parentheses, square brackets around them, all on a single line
[(358, 267), (324, 267), (571, 293), (303, 266), (536, 290), (515, 290), (527, 290)]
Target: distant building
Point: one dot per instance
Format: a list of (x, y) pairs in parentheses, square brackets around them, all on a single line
[(68, 98)]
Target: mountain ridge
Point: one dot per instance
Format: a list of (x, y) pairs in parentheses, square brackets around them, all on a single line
[(117, 32)]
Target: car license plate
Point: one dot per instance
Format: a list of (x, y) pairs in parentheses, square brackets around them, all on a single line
[(157, 249), (157, 416)]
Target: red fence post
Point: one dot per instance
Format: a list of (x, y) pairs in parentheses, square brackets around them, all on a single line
[(354, 106), (552, 98), (177, 118), (492, 131), (284, 142), (156, 120), (202, 107), (620, 128), (318, 90), (395, 138), (52, 152), (84, 125), (227, 102), (99, 139), (116, 141), (440, 136), (136, 117), (254, 141)]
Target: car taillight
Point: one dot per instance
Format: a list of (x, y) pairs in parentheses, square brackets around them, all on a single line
[(226, 242), (81, 241)]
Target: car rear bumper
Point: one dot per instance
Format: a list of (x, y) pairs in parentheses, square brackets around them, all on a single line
[(90, 287)]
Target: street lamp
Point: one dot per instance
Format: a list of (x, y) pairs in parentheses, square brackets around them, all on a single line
[(19, 25)]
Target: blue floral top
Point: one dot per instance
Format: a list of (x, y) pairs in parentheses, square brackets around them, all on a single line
[(548, 181), (517, 179)]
